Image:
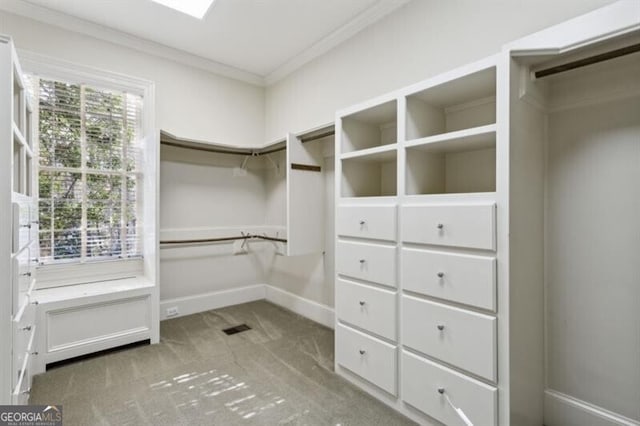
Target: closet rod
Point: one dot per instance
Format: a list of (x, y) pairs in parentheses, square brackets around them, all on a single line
[(305, 139), (589, 61), (219, 239), (224, 151)]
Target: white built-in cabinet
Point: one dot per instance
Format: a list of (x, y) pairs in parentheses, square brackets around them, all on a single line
[(18, 231), (487, 235)]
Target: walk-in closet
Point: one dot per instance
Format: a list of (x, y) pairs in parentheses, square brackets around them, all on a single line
[(363, 212)]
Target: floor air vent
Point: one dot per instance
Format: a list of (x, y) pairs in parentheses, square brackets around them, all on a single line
[(237, 329)]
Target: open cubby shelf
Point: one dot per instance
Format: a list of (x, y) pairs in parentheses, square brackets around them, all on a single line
[(465, 164), (371, 175), (459, 104), (373, 127)]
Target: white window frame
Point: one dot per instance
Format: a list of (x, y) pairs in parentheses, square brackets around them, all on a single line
[(61, 274)]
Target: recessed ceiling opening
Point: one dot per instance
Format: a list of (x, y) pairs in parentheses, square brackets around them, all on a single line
[(195, 8)]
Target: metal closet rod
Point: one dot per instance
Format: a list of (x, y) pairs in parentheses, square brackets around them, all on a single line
[(305, 139), (224, 151), (589, 61), (219, 239)]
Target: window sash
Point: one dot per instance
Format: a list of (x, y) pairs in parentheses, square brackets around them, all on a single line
[(127, 242)]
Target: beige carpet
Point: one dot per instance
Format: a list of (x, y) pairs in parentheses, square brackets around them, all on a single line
[(278, 373)]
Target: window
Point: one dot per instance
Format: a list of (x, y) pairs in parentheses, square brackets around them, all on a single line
[(89, 172)]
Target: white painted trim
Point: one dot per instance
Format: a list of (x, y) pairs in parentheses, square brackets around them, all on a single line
[(70, 23), (54, 18), (217, 299), (51, 67), (345, 32), (188, 305), (314, 311), (564, 410)]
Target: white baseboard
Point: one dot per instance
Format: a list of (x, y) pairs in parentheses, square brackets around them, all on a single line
[(314, 311), (218, 299), (214, 300), (564, 410)]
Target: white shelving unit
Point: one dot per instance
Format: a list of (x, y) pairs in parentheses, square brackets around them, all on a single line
[(431, 191), (292, 170), (494, 257), (18, 231)]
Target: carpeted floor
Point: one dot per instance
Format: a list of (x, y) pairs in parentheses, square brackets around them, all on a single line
[(280, 372)]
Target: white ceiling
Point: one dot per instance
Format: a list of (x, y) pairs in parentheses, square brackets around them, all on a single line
[(262, 39)]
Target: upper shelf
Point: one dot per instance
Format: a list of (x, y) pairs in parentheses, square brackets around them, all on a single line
[(167, 138), (370, 128)]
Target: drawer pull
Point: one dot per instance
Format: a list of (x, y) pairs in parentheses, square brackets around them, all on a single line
[(362, 260), (440, 226), (457, 410), (362, 222), (440, 327), (35, 302), (440, 274), (35, 260), (362, 303), (27, 328), (362, 351), (26, 274), (28, 226), (36, 222), (35, 353)]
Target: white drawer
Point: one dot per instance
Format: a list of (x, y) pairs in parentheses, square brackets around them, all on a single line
[(368, 357), (469, 226), (24, 333), (460, 278), (370, 262), (456, 336), (21, 219), (22, 385), (422, 384), (367, 307), (375, 222), (23, 270)]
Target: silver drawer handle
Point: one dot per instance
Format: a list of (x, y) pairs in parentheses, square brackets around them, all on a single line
[(440, 390), (35, 260), (362, 303), (362, 351), (35, 222), (34, 353), (35, 302), (27, 328), (440, 226), (362, 222), (440, 327), (362, 260), (26, 274), (440, 274)]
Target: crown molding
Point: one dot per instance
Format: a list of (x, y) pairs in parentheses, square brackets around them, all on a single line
[(67, 22), (58, 19), (345, 32)]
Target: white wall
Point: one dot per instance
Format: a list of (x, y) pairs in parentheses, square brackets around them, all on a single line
[(189, 102), (420, 40)]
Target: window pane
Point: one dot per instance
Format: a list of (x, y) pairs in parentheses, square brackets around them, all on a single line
[(88, 130), (60, 124), (104, 143), (61, 212), (67, 244), (104, 241)]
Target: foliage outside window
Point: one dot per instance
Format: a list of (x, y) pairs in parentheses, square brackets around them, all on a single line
[(89, 175)]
